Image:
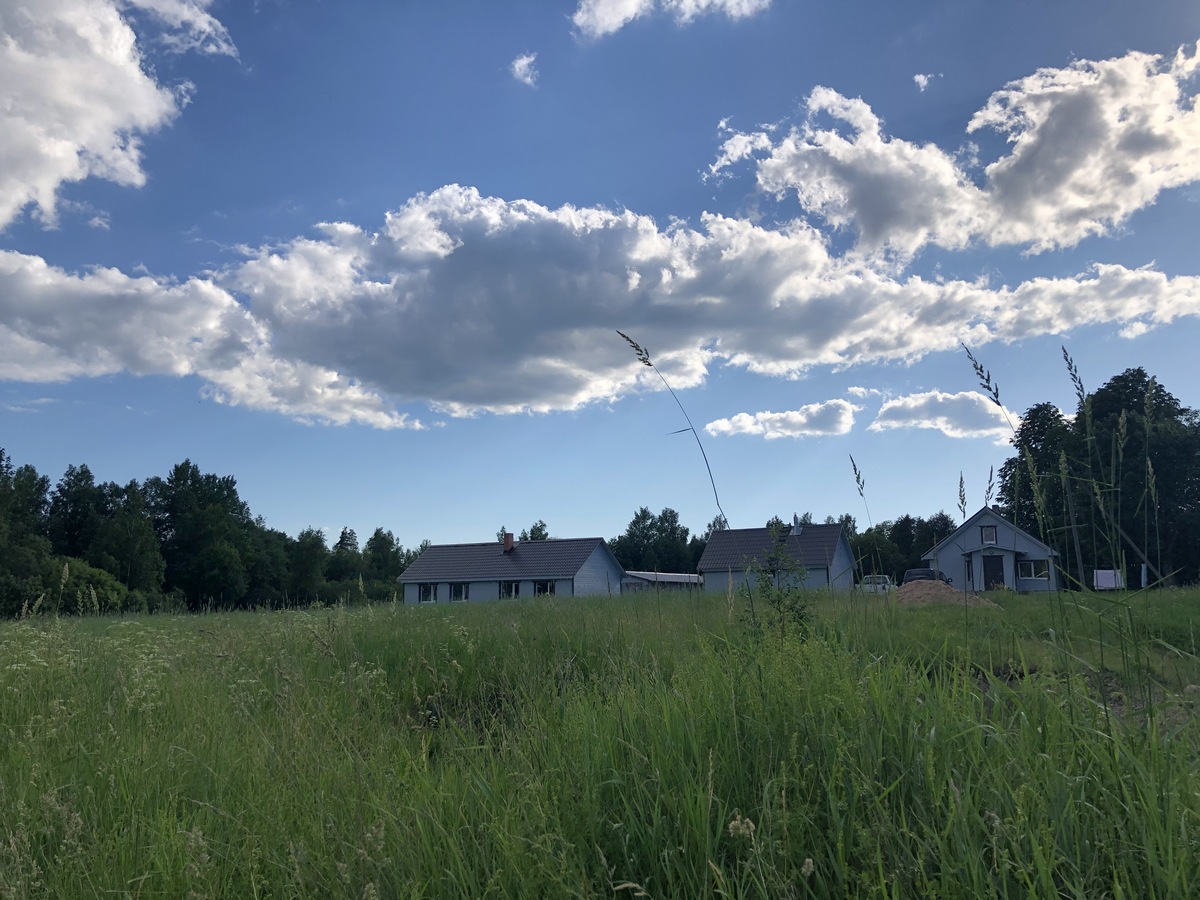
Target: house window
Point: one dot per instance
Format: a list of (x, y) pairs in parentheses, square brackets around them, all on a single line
[(510, 589), (427, 593), (459, 592), (543, 588), (987, 534), (970, 571), (1033, 568)]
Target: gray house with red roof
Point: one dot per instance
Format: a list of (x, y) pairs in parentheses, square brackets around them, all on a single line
[(571, 567), (822, 552)]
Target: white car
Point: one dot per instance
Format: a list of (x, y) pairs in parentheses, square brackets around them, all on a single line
[(876, 584)]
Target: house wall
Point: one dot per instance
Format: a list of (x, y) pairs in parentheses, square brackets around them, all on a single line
[(1040, 584), (842, 568), (723, 580), (412, 593), (481, 592), (1012, 545), (952, 562), (485, 591), (599, 576), (815, 577)]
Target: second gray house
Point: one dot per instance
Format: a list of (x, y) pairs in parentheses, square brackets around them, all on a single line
[(572, 567), (987, 552), (823, 552)]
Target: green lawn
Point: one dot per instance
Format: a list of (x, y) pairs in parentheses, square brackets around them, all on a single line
[(605, 747)]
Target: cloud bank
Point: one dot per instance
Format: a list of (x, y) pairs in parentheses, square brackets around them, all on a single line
[(467, 303), (477, 304)]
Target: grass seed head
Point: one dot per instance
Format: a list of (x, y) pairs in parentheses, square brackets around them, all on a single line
[(643, 354), (985, 377)]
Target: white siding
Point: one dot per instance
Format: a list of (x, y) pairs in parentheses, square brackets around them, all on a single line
[(599, 576), (842, 567), (721, 582), (815, 577)]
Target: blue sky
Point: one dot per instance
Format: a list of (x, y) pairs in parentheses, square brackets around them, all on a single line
[(370, 258)]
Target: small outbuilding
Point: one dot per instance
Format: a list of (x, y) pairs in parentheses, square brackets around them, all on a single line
[(987, 553), (820, 553), (571, 567)]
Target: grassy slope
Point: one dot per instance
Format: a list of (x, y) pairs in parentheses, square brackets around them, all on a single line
[(585, 748)]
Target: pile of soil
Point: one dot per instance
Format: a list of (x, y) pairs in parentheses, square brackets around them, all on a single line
[(924, 593)]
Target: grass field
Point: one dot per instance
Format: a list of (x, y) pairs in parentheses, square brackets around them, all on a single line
[(649, 746)]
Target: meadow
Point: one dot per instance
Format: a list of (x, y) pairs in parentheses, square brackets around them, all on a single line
[(650, 746)]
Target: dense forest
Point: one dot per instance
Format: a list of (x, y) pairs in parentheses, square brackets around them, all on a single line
[(186, 541), (1116, 485)]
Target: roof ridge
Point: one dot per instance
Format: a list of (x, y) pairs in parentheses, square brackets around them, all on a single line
[(515, 542)]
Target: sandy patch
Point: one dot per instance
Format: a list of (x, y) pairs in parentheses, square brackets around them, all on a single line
[(924, 593)]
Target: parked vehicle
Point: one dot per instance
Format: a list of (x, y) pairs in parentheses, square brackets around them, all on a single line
[(926, 575), (876, 584)]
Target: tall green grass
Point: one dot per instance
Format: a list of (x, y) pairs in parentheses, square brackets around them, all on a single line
[(623, 746)]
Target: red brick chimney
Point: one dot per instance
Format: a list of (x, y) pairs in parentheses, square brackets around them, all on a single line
[(508, 542)]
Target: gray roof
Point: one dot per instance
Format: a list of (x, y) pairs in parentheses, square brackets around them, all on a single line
[(527, 561), (735, 548)]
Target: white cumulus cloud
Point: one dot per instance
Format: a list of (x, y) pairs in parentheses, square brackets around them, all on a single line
[(189, 26), (76, 96), (524, 70), (814, 419), (923, 80), (1088, 145), (597, 18), (967, 414)]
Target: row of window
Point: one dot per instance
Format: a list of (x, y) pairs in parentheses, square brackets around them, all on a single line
[(460, 591)]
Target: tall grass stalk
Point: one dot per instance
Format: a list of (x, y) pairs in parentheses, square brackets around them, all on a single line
[(643, 356)]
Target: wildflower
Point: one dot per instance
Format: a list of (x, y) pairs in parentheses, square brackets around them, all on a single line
[(741, 828), (807, 869)]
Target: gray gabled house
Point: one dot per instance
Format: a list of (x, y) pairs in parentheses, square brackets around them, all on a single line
[(987, 552), (823, 552), (572, 567)]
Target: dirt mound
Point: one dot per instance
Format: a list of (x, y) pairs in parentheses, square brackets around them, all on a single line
[(924, 593)]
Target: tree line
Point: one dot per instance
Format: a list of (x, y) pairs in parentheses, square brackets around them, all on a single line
[(1116, 485), (187, 541)]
